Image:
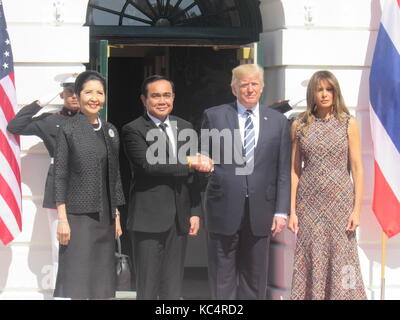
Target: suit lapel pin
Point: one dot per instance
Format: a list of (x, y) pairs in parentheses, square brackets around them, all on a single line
[(265, 118), (111, 133)]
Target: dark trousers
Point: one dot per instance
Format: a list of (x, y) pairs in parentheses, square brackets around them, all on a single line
[(238, 264), (159, 262)]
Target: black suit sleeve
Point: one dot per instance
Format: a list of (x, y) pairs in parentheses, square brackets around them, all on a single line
[(205, 149), (195, 182), (135, 147), (119, 193), (61, 166), (195, 196), (284, 181), (23, 123), (205, 145)]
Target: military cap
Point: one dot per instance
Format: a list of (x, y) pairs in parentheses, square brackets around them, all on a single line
[(69, 81)]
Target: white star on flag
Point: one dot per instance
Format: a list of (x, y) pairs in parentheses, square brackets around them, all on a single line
[(7, 54), (5, 65), (7, 42)]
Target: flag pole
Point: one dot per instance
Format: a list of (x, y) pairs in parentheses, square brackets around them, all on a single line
[(383, 263)]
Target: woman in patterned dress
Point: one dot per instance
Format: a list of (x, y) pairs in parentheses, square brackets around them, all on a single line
[(326, 204)]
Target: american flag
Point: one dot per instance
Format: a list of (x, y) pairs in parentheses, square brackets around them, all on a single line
[(10, 167), (385, 119)]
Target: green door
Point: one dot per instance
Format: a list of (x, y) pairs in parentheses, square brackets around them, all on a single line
[(103, 69), (99, 54)]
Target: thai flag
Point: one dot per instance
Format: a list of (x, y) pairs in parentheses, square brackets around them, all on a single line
[(384, 84)]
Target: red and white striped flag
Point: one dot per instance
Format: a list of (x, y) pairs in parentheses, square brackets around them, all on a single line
[(384, 83), (10, 167)]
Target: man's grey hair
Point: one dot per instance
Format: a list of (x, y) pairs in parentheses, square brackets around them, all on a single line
[(247, 70)]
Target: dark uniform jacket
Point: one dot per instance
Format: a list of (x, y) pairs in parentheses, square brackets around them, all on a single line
[(45, 127), (159, 193), (77, 167)]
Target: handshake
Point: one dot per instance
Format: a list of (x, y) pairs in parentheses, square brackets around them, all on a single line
[(201, 163)]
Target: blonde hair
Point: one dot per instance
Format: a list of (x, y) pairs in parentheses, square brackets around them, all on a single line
[(338, 107), (246, 70)]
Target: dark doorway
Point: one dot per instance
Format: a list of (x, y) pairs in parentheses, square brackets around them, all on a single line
[(202, 78), (124, 80)]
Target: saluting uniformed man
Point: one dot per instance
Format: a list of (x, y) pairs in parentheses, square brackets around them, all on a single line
[(45, 126)]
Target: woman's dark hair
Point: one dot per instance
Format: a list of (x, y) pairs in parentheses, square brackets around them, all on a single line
[(154, 78), (87, 76)]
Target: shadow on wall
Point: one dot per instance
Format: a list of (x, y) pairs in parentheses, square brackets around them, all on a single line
[(39, 257), (280, 259), (5, 262)]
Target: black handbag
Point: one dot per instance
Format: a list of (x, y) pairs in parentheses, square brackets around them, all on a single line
[(123, 267)]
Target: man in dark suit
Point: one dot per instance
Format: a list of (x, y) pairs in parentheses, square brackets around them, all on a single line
[(163, 192), (248, 196)]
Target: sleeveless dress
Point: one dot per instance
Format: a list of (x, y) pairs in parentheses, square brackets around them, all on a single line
[(326, 263)]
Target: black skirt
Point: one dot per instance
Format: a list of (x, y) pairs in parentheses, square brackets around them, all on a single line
[(86, 265)]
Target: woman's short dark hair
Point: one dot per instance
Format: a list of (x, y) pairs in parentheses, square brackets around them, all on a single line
[(87, 76), (154, 78)]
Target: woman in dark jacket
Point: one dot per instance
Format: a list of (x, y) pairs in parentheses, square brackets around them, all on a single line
[(88, 191)]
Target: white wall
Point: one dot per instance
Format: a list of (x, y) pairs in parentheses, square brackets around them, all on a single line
[(42, 49), (340, 37)]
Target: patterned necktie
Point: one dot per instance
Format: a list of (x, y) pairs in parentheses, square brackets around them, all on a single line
[(163, 127), (249, 138)]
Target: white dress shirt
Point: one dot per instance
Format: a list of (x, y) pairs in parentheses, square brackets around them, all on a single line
[(255, 116), (168, 130)]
